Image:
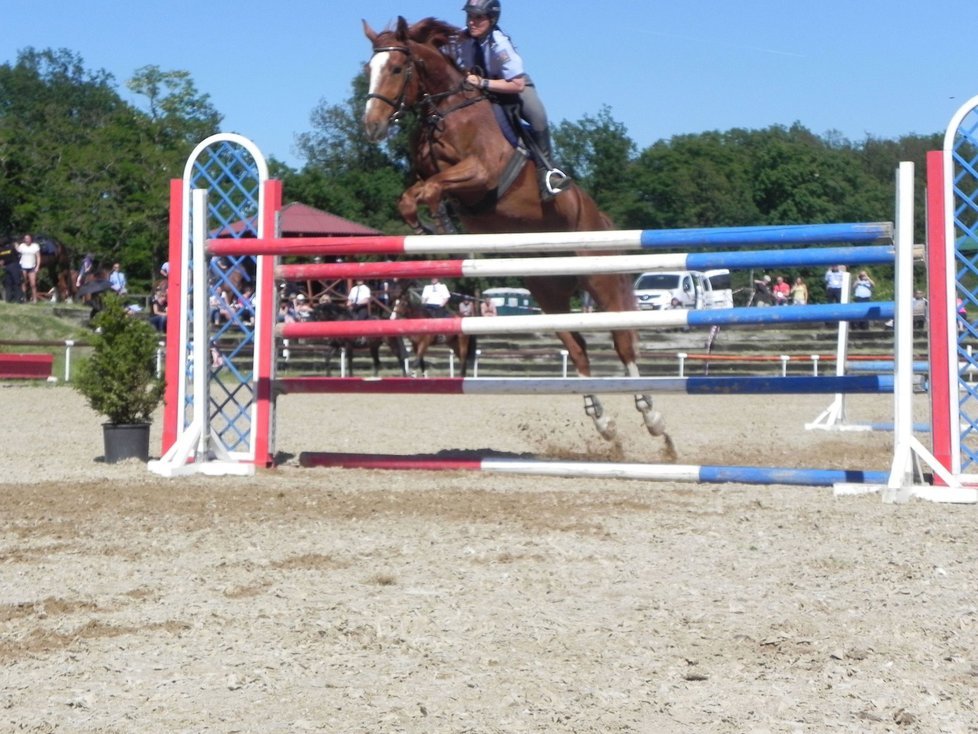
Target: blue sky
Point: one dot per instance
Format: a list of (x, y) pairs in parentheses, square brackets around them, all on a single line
[(854, 66)]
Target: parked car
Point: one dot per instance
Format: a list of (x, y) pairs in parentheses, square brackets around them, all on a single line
[(683, 289), (512, 301)]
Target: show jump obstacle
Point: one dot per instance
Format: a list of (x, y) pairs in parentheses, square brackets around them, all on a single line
[(220, 413)]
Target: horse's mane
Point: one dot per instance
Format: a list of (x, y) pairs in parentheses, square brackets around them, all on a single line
[(433, 32)]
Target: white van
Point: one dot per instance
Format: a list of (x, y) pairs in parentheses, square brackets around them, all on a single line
[(683, 289)]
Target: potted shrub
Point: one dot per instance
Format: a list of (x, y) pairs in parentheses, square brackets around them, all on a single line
[(119, 380)]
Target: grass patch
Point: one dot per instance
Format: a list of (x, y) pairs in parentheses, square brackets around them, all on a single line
[(50, 324)]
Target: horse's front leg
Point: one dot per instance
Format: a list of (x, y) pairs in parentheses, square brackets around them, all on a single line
[(407, 207), (469, 175)]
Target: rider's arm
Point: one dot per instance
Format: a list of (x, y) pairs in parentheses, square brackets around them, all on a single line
[(499, 86), (506, 64)]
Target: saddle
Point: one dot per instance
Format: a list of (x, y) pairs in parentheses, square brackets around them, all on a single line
[(551, 179), (48, 247)]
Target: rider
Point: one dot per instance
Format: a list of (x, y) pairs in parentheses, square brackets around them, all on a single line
[(497, 67)]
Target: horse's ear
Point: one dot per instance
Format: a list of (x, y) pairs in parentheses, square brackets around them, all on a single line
[(402, 29), (369, 32)]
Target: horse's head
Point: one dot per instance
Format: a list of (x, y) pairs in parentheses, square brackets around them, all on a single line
[(407, 64), (403, 303)]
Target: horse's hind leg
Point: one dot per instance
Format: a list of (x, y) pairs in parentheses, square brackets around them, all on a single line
[(577, 351), (654, 421), (628, 354)]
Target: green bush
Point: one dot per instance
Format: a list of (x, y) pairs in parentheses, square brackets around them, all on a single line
[(119, 379)]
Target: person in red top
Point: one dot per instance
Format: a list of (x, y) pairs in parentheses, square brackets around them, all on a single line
[(781, 291)]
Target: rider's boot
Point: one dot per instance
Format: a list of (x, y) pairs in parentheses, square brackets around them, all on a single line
[(551, 179)]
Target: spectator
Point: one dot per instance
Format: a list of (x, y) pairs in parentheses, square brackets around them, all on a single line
[(220, 307), (762, 292), (86, 268), (286, 312), (434, 298), (244, 306), (117, 279), (30, 264), (833, 283), (157, 311), (919, 306), (384, 294), (358, 300), (587, 302), (862, 292), (799, 292), (466, 307), (303, 311), (489, 307), (781, 291), (962, 314), (12, 276)]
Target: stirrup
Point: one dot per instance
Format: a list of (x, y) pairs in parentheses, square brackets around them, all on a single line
[(555, 180)]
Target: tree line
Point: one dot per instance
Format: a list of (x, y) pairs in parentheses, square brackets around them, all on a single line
[(80, 163)]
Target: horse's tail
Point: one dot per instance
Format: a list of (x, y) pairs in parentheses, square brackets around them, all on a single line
[(470, 355)]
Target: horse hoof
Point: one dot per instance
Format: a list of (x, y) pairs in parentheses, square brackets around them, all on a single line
[(607, 429), (655, 423)]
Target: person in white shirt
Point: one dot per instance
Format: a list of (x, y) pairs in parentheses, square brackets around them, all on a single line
[(117, 279), (30, 263), (435, 297), (358, 301)]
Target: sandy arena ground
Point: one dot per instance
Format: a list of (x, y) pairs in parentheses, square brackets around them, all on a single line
[(355, 601)]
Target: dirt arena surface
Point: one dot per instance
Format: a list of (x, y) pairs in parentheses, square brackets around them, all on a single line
[(355, 601)]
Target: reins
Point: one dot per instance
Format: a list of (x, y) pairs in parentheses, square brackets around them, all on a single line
[(398, 104), (427, 105)]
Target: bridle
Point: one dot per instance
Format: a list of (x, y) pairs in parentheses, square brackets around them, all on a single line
[(427, 104), (399, 105)]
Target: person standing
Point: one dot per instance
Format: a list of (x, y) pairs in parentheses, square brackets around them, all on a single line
[(12, 277), (781, 291), (799, 292), (834, 277), (117, 279), (862, 292), (30, 264)]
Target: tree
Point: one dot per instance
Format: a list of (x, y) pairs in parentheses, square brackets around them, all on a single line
[(82, 165), (344, 173), (596, 151), (177, 112)]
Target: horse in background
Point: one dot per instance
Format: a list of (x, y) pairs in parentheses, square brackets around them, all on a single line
[(56, 276), (329, 311), (408, 306), (460, 153)]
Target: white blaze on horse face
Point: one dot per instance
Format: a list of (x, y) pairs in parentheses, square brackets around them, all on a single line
[(375, 120)]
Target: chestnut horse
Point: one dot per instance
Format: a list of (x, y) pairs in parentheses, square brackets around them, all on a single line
[(461, 153), (408, 306)]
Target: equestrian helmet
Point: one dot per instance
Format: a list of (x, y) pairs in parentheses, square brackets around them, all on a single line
[(490, 8)]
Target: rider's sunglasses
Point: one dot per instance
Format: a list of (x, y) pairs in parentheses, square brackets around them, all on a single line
[(477, 18)]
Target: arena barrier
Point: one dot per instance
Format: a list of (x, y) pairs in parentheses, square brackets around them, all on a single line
[(201, 445)]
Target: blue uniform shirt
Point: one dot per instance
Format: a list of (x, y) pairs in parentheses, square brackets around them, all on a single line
[(502, 59)]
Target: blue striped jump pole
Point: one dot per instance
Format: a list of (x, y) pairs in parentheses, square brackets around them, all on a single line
[(636, 239), (734, 385), (597, 470)]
